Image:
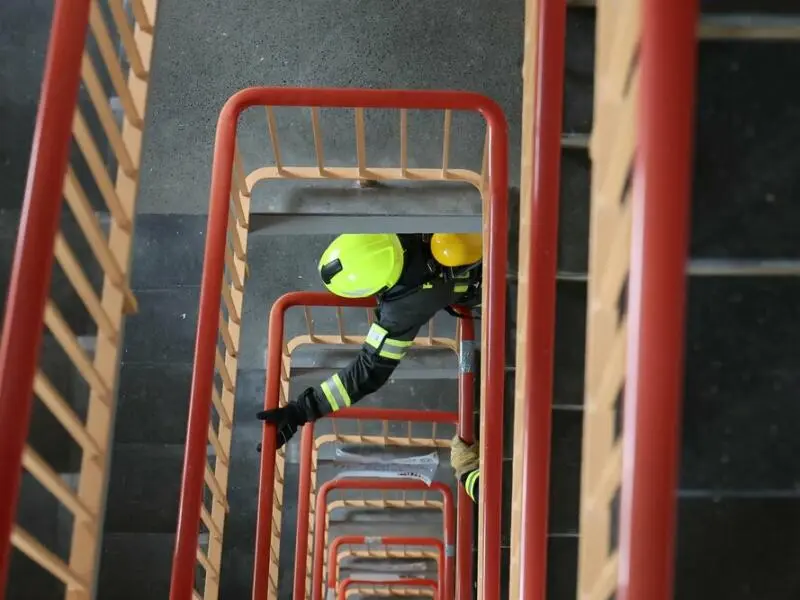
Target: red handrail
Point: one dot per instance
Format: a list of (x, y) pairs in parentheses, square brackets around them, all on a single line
[(262, 561), (464, 419), (384, 541), (381, 484), (33, 257), (385, 582), (656, 300), (208, 318), (466, 408), (540, 312)]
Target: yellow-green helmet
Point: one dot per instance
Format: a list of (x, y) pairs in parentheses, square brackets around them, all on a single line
[(357, 265)]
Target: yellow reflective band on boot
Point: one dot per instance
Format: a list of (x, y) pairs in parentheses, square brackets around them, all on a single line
[(376, 336), (472, 481), (335, 392), (394, 349)]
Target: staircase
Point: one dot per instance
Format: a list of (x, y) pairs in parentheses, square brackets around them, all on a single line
[(737, 493)]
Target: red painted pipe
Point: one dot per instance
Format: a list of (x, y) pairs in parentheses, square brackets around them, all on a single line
[(540, 316), (386, 582), (381, 484), (333, 558), (657, 298), (29, 284)]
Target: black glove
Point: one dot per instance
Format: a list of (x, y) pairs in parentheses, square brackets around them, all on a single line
[(287, 418)]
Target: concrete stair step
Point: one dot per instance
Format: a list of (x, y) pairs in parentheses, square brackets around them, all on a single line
[(135, 565)]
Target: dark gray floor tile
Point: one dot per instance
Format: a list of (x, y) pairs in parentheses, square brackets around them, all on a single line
[(565, 468), (135, 565), (562, 568), (28, 581), (153, 403), (738, 549), (570, 341), (574, 211), (24, 31), (740, 421), (752, 6), (565, 471), (168, 251), (38, 514), (164, 328), (505, 562), (745, 178), (243, 484), (144, 488), (570, 346), (297, 257), (474, 46), (579, 71), (45, 434)]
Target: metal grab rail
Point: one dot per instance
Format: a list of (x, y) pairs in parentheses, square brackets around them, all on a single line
[(267, 562), (641, 149), (390, 583), (42, 244), (382, 484), (371, 541), (462, 557), (545, 34), (229, 180)]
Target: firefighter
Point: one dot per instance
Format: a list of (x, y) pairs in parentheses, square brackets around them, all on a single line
[(466, 463), (413, 277)]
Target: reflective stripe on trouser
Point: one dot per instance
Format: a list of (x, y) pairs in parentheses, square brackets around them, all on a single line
[(335, 393), (471, 483)]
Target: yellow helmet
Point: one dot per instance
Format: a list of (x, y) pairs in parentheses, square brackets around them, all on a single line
[(457, 249), (357, 265)]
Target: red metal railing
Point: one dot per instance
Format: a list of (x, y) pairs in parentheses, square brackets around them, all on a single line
[(390, 583), (33, 256), (496, 211), (80, 40), (463, 549), (382, 484), (656, 300), (537, 324), (463, 419), (436, 544)]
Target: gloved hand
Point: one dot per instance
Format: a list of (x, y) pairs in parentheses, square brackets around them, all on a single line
[(463, 456), (287, 418)]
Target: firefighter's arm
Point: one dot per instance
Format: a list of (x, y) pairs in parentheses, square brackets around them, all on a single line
[(380, 354), (382, 351)]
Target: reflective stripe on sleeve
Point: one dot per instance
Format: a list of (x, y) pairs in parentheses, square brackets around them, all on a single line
[(460, 288), (335, 392), (471, 483), (376, 336), (339, 387)]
